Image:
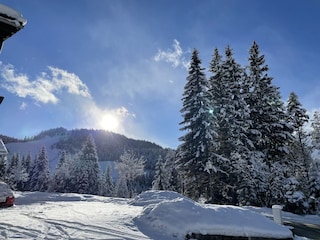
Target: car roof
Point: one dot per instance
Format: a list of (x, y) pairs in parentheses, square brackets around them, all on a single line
[(5, 190)]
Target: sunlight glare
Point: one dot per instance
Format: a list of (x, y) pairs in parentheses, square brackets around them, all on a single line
[(109, 122)]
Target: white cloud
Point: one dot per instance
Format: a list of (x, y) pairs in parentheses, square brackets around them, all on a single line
[(175, 56), (23, 106), (122, 111), (45, 87)]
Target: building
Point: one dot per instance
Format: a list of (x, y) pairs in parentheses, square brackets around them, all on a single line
[(3, 150)]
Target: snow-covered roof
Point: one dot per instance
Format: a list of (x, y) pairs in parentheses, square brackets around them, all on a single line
[(3, 149), (12, 16), (11, 21)]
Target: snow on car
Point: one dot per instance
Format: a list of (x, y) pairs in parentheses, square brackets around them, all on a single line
[(6, 195)]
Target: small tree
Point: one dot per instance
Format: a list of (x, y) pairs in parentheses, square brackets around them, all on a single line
[(121, 189), (161, 180), (107, 187)]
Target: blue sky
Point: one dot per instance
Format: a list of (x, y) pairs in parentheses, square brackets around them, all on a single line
[(120, 65)]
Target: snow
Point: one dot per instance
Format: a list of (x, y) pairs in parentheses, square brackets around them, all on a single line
[(177, 216), (15, 16), (33, 147), (154, 215)]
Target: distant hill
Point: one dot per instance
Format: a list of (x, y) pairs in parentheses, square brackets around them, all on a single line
[(109, 145)]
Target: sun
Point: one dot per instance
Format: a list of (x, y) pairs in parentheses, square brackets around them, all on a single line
[(109, 122)]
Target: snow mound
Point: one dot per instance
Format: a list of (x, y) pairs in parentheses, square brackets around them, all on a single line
[(153, 197), (173, 215)]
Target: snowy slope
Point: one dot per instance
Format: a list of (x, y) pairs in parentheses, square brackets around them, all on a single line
[(33, 147), (152, 215)]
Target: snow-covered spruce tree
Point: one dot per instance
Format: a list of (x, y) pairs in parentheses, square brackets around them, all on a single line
[(162, 176), (315, 132), (196, 147), (11, 170), (314, 170), (61, 177), (86, 170), (252, 180), (27, 164), (129, 168), (121, 188), (295, 200), (107, 187), (233, 122), (269, 130), (3, 167), (17, 173), (314, 187), (171, 171), (299, 158), (39, 178), (166, 175)]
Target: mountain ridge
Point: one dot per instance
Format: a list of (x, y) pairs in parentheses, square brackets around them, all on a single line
[(110, 145)]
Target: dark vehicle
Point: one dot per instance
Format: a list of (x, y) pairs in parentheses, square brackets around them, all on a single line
[(11, 22), (6, 195)]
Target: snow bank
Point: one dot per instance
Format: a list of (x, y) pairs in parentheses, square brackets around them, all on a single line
[(174, 215)]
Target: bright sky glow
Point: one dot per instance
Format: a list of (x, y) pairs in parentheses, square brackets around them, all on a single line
[(109, 122), (128, 59)]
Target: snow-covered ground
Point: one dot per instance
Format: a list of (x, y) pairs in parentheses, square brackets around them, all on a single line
[(151, 215)]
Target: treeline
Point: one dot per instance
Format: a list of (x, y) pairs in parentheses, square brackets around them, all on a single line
[(241, 143), (80, 173)]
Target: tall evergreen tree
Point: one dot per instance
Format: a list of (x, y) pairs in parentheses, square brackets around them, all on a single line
[(86, 169), (314, 187), (11, 171), (3, 167), (194, 152), (171, 172), (231, 122), (269, 131), (315, 132), (61, 177), (18, 175), (39, 179), (300, 151), (27, 164)]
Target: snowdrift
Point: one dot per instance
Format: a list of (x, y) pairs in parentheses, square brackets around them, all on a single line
[(174, 215)]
